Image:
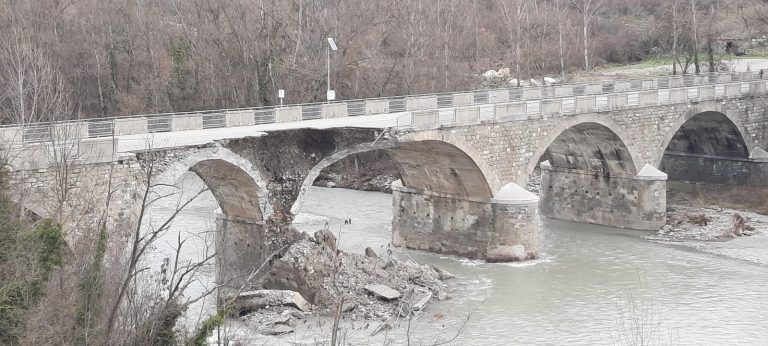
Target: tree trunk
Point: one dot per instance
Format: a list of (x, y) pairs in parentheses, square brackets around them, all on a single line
[(695, 38)]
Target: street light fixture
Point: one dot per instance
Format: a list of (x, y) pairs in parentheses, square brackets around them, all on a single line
[(330, 94)]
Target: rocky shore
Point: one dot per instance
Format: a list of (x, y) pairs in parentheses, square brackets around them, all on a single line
[(712, 223)]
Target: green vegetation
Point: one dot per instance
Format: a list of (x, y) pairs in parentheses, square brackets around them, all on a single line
[(28, 256), (209, 325)]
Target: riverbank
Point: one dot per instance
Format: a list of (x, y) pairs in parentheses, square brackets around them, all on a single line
[(729, 221), (368, 171)]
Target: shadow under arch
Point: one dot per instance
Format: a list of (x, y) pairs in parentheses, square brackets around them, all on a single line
[(709, 147), (425, 165), (235, 183), (234, 190), (595, 143), (705, 132), (591, 176)]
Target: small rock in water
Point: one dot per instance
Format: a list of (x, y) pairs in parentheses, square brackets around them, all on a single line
[(330, 184), (383, 292), (370, 253)]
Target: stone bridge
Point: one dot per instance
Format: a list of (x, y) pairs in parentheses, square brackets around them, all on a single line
[(605, 151)]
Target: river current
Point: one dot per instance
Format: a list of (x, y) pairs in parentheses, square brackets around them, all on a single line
[(592, 285)]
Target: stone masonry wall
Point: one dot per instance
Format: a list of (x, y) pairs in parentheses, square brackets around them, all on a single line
[(475, 229), (603, 200), (511, 149)]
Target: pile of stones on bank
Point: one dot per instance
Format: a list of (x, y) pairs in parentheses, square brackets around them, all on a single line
[(314, 278)]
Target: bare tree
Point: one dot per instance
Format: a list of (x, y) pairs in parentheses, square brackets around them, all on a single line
[(561, 9), (589, 10), (695, 31)]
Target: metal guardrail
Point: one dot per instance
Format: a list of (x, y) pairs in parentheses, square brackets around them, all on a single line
[(534, 100), (570, 105)]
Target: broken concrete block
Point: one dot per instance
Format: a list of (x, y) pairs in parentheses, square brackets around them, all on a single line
[(382, 292), (254, 300), (442, 274), (415, 300)]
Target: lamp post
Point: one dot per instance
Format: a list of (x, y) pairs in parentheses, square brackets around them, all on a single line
[(330, 95)]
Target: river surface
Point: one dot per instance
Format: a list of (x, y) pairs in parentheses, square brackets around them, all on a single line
[(592, 286)]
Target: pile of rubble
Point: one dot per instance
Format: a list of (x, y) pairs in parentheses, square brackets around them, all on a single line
[(314, 278), (686, 222)]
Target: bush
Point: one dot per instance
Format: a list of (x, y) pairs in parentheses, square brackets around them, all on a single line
[(28, 255)]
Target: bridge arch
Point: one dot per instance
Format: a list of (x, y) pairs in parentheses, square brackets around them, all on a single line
[(594, 133), (592, 176), (423, 164), (234, 182), (719, 128)]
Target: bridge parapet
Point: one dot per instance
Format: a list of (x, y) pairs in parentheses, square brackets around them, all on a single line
[(606, 96), (443, 108)]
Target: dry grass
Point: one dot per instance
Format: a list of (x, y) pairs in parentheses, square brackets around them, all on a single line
[(751, 198)]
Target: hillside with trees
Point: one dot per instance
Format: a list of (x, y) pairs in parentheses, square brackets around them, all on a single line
[(103, 57)]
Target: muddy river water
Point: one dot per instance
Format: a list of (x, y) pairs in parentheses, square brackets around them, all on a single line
[(592, 286)]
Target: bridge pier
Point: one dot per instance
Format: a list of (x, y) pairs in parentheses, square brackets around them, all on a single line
[(635, 202), (501, 229), (242, 247)]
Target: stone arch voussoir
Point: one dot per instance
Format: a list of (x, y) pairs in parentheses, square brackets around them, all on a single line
[(174, 171)]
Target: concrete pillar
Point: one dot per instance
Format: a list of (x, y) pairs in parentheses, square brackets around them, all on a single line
[(635, 202), (501, 229), (241, 247)]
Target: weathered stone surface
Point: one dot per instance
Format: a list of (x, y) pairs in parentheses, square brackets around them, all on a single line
[(253, 300), (382, 291), (507, 254), (461, 226), (619, 201)]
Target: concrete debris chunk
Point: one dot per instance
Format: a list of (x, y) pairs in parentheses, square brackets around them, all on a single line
[(442, 274), (382, 292), (254, 300), (414, 301)]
